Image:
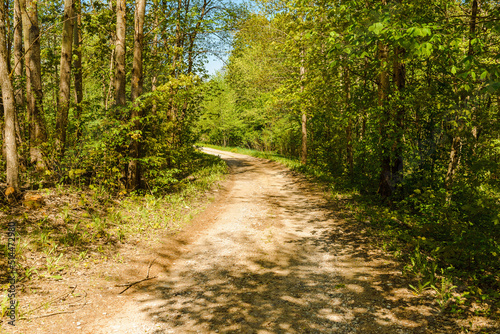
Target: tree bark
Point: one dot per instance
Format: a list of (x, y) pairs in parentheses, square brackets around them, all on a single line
[(18, 68), (385, 187), (34, 92), (303, 151), (400, 80), (134, 174), (65, 76), (18, 53), (349, 149), (120, 97), (77, 64), (9, 109)]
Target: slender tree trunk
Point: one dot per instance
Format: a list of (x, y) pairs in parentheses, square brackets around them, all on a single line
[(303, 151), (18, 68), (77, 64), (9, 109), (385, 187), (120, 96), (65, 76), (111, 79), (8, 33), (31, 34), (134, 173), (349, 149), (400, 79), (18, 54), (156, 41)]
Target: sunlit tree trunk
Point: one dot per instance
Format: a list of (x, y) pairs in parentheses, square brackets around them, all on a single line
[(134, 174), (156, 41), (303, 151), (77, 64), (120, 96), (18, 52), (65, 76), (9, 109), (34, 92), (18, 67)]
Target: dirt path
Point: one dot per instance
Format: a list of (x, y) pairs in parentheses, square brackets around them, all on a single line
[(276, 260), (271, 255)]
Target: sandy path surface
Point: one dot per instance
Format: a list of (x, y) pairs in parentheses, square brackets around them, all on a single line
[(277, 259)]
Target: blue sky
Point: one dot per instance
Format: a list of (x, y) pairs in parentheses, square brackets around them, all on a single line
[(214, 64)]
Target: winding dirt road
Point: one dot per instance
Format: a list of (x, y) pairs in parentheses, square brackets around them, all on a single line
[(277, 257)]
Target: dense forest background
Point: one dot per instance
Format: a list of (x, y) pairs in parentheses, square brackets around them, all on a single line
[(397, 102), (105, 90)]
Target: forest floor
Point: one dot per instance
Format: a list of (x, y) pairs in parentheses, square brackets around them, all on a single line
[(271, 254)]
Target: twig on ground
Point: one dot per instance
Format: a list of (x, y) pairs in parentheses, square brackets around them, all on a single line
[(60, 312), (52, 300), (129, 285), (51, 314)]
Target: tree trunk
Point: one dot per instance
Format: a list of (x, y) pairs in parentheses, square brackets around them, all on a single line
[(8, 33), (349, 149), (31, 34), (18, 54), (9, 109), (77, 65), (65, 76), (134, 175), (18, 68), (385, 187), (400, 79), (120, 96), (303, 151), (156, 41)]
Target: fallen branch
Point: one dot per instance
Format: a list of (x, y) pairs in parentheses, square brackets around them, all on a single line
[(51, 314), (60, 312), (46, 303), (129, 285)]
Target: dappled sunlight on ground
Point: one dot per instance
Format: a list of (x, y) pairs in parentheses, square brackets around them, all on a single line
[(278, 259)]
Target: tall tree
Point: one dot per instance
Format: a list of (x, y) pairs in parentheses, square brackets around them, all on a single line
[(18, 52), (303, 117), (34, 91), (134, 175), (68, 20), (385, 184), (77, 64), (19, 65), (120, 50), (8, 107)]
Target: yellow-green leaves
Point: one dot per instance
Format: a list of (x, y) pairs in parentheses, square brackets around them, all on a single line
[(376, 28)]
